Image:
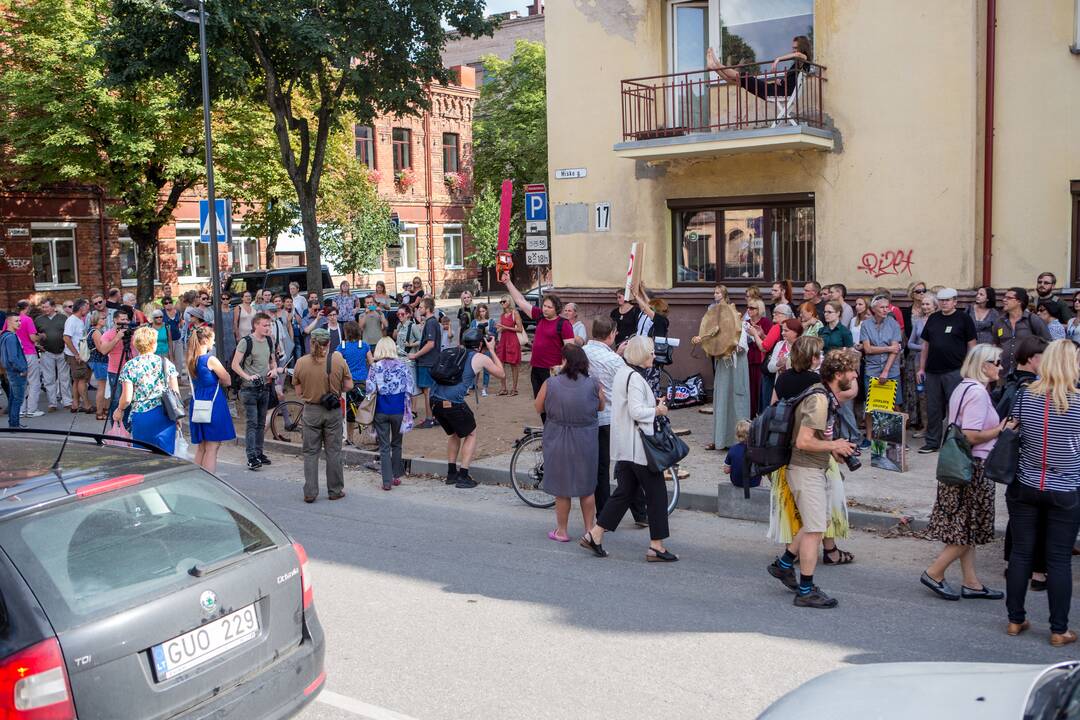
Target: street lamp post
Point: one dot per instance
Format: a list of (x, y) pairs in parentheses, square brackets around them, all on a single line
[(215, 273)]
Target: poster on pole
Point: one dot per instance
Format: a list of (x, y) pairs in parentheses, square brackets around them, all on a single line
[(633, 269)]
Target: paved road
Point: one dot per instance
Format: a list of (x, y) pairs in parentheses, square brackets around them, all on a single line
[(445, 603)]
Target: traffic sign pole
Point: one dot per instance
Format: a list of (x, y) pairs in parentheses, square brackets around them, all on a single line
[(215, 274)]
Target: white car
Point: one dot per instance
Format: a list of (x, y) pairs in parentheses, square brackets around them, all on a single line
[(927, 691)]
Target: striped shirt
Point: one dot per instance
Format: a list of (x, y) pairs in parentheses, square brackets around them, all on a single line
[(1058, 433), (603, 364)]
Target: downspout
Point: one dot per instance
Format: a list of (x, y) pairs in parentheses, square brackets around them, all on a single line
[(428, 152), (988, 148), (103, 240)]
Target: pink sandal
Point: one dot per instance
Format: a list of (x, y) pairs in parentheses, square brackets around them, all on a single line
[(554, 536)]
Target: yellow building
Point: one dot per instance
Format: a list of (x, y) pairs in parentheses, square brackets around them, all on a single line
[(865, 166)]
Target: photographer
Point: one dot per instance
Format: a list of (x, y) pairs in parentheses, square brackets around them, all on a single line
[(116, 344), (814, 429), (320, 379), (254, 362)]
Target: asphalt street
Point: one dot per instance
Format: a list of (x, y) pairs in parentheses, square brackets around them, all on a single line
[(447, 603)]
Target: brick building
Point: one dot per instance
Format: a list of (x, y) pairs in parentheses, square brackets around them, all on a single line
[(61, 242)]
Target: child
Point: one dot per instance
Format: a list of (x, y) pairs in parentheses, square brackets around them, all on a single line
[(735, 462), (406, 294), (448, 340)]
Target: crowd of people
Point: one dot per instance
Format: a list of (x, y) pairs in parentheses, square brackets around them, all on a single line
[(991, 367)]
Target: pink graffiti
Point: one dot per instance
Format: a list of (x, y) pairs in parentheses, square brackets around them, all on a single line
[(890, 262)]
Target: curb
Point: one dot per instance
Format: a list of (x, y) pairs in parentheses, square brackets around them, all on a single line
[(728, 501)]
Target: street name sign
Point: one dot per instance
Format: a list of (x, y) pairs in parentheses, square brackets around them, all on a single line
[(570, 173)]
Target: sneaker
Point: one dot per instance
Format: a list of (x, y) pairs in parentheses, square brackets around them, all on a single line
[(36, 413), (265, 460), (429, 423), (451, 478), (483, 393), (254, 464), (865, 444), (464, 482), (814, 599), (784, 575), (927, 449)]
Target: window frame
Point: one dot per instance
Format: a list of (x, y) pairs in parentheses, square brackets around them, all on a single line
[(402, 149), (455, 147), (122, 236), (239, 240), (194, 240), (369, 144), (719, 205), (51, 241), (458, 230), (406, 228)]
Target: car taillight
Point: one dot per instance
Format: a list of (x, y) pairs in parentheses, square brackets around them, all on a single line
[(109, 485), (305, 575), (34, 684)]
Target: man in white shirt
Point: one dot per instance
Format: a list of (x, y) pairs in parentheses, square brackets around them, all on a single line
[(74, 331), (298, 300)]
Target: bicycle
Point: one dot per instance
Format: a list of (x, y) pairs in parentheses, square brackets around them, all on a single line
[(527, 472), (286, 421)]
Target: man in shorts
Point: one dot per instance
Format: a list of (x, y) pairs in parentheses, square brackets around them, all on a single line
[(813, 447), (426, 356), (74, 332), (454, 414)]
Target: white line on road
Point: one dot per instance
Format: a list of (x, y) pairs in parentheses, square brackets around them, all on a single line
[(359, 707)]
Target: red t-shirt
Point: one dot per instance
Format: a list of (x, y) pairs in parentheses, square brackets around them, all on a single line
[(547, 347)]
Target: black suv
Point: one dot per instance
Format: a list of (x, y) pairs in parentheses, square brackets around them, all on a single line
[(134, 584), (276, 281)]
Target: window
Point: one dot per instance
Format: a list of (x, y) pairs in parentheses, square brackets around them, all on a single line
[(1075, 232), (244, 251), (401, 139), (451, 152), (365, 145), (453, 252), (408, 248), (54, 255), (129, 259), (743, 240), (755, 31), (192, 256)]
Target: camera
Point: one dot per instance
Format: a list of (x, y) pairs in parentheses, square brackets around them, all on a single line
[(852, 461)]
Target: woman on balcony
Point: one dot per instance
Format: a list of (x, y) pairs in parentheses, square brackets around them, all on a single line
[(771, 83)]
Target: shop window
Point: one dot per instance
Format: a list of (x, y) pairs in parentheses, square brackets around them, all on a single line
[(192, 256), (743, 240), (401, 139), (54, 257), (451, 152), (453, 250), (365, 145)]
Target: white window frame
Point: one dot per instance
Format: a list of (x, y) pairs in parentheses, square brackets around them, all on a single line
[(405, 230), (122, 235), (454, 228), (193, 239), (52, 253), (239, 239)]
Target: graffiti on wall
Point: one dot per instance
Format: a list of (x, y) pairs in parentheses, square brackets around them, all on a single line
[(13, 263), (890, 262)]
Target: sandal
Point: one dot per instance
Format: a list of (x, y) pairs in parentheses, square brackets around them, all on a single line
[(553, 535), (513, 392), (843, 558), (710, 446), (588, 543), (503, 392), (654, 555)]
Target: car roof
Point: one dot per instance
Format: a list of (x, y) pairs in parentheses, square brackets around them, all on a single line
[(27, 480)]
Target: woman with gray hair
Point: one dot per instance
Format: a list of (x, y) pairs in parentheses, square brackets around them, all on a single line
[(634, 410), (781, 312), (963, 515)]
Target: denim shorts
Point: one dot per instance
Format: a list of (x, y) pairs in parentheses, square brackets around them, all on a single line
[(100, 370), (423, 377)]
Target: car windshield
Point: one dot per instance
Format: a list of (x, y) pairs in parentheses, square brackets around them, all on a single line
[(1056, 695), (99, 555)]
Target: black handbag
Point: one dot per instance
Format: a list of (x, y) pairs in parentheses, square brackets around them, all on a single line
[(663, 449), (330, 400), (170, 399), (1004, 458)]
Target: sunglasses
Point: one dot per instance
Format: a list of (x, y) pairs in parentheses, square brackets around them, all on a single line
[(68, 307), (995, 363), (918, 291)]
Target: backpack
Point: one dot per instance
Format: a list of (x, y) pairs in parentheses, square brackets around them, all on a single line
[(450, 366), (1004, 399), (83, 349), (247, 354), (768, 448)]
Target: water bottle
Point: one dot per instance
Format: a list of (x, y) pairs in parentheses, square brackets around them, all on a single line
[(920, 388)]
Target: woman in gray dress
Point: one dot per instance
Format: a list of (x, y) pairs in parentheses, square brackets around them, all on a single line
[(571, 401)]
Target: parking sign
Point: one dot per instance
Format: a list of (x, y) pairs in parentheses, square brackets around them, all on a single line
[(536, 208)]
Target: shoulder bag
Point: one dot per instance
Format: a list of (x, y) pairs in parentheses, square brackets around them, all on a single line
[(955, 466), (663, 449), (202, 411), (330, 399), (364, 412), (1004, 458), (170, 399)]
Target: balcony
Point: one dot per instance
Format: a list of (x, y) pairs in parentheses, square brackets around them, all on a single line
[(703, 113)]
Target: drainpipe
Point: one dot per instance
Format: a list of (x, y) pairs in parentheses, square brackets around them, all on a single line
[(103, 240), (428, 152), (988, 148)]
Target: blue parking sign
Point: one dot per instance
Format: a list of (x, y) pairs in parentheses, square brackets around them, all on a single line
[(536, 208), (222, 212)]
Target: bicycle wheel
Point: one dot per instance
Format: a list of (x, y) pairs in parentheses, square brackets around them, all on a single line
[(287, 421), (527, 472), (673, 500)]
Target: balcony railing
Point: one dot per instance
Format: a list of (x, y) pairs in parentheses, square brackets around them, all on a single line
[(703, 101)]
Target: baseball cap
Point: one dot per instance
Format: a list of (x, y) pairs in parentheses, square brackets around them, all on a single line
[(320, 335), (947, 294)]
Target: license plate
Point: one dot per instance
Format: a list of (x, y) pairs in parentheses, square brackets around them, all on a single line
[(192, 649)]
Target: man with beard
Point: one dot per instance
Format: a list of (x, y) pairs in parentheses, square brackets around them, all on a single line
[(816, 440)]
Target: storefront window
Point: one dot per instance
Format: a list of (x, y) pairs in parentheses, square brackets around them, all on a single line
[(696, 246), (192, 256), (54, 257)]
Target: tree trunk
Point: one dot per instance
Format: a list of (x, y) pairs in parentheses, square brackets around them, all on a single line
[(145, 238), (311, 243), (271, 251)]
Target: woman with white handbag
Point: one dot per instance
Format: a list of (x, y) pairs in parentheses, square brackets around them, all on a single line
[(211, 423)]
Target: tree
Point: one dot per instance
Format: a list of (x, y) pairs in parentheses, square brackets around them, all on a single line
[(483, 227), (360, 57), (510, 123), (61, 124)]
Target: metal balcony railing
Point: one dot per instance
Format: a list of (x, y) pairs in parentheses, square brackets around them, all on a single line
[(704, 101)]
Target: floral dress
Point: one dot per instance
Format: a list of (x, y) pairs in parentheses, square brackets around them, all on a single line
[(148, 377)]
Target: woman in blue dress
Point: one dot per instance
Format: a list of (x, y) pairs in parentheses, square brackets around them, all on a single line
[(208, 376)]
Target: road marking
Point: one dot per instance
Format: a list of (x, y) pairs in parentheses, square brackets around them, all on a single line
[(359, 707)]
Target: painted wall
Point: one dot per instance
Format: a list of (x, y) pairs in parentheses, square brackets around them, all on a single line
[(904, 93)]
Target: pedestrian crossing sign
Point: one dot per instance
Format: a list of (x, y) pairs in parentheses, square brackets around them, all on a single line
[(222, 211)]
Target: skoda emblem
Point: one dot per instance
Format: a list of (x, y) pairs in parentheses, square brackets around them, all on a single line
[(208, 601)]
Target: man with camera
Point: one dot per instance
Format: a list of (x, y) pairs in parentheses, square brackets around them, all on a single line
[(254, 362), (320, 379), (816, 434), (116, 345)]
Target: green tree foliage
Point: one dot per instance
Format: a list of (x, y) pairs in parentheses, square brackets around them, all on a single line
[(510, 124), (61, 123), (358, 57)]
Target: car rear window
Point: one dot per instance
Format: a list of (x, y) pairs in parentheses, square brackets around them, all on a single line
[(102, 554)]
